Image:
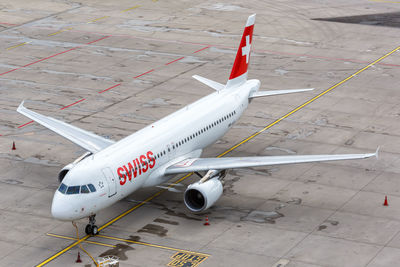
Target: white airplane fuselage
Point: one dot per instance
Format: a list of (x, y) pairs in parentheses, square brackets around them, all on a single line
[(181, 135)]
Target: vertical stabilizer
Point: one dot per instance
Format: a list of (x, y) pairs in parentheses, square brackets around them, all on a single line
[(239, 70)]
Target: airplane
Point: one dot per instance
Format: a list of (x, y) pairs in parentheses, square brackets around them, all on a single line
[(110, 171)]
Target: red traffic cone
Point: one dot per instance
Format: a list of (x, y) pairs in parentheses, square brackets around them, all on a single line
[(13, 147), (206, 223), (78, 260), (386, 202)]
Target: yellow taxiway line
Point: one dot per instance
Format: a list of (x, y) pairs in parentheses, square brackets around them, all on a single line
[(86, 241), (60, 31), (97, 19), (220, 155), (18, 45), (128, 9)]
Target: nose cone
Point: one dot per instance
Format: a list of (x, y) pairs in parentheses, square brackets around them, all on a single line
[(61, 209)]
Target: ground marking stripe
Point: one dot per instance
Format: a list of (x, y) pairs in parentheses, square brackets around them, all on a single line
[(86, 241), (220, 155), (131, 8), (144, 73), (18, 45), (152, 245), (97, 19), (70, 105), (57, 54)]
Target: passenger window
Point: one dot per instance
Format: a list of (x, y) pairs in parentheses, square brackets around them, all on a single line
[(92, 188), (73, 190), (62, 188), (84, 189)]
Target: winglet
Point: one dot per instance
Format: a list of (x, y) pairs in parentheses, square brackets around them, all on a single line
[(21, 106), (377, 152)]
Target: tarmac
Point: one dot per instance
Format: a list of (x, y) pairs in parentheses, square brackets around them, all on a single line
[(113, 67)]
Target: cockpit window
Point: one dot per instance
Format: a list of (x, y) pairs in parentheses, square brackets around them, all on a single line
[(84, 189), (62, 188), (92, 188), (73, 190)]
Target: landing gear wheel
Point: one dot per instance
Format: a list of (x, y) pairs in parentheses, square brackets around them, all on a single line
[(95, 230), (91, 228), (88, 229)]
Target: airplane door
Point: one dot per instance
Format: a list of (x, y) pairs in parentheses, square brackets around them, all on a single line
[(112, 182)]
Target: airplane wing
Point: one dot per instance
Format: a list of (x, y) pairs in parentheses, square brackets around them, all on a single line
[(205, 164), (87, 140)]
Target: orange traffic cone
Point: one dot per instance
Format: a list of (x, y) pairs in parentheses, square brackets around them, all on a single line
[(386, 202), (13, 147), (78, 260), (206, 223)]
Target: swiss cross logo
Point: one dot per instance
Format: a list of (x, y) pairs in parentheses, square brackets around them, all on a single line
[(246, 49), (243, 53)]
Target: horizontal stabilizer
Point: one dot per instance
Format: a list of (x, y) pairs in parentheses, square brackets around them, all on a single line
[(278, 92), (214, 85)]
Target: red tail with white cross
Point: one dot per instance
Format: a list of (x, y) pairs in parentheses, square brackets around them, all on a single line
[(239, 69)]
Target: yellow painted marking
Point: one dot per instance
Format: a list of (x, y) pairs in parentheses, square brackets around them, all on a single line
[(18, 45), (186, 259), (86, 241), (60, 31), (153, 245), (307, 103), (220, 155), (385, 1), (98, 19), (128, 9)]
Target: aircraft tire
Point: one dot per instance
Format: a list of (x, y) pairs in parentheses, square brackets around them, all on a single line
[(88, 229)]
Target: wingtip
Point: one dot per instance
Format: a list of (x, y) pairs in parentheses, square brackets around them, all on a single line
[(21, 106)]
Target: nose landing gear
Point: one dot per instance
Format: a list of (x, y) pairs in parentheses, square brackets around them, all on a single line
[(91, 228)]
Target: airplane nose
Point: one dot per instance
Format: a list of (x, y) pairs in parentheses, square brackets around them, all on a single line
[(60, 209)]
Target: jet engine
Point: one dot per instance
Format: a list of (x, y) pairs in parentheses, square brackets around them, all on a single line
[(202, 195), (68, 167)]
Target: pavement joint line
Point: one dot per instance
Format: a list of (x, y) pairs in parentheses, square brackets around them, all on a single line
[(18, 45), (220, 155), (151, 245), (86, 241), (131, 8)]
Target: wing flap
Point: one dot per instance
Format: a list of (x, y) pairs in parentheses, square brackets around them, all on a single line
[(85, 139), (205, 164)]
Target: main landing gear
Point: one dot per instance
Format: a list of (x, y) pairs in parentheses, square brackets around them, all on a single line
[(91, 228)]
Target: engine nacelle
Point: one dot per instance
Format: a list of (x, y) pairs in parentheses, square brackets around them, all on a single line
[(201, 196)]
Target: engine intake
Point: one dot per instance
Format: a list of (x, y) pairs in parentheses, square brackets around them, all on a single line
[(201, 196)]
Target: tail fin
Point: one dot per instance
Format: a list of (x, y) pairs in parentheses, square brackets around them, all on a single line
[(239, 69)]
